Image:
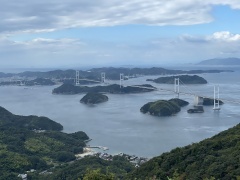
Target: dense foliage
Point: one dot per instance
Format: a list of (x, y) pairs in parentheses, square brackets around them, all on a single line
[(40, 81), (217, 157), (186, 79), (114, 88), (179, 102), (90, 167), (7, 119), (94, 98), (162, 107), (31, 142)]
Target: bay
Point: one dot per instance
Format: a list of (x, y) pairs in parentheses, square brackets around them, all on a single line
[(119, 125)]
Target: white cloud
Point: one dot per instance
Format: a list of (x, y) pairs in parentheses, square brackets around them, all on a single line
[(71, 52), (49, 15), (225, 36)]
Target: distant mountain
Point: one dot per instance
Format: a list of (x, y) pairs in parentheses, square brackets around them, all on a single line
[(223, 61)]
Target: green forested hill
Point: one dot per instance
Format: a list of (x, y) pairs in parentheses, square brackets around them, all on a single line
[(217, 157), (31, 142)]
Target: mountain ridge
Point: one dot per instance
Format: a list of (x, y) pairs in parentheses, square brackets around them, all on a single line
[(221, 61)]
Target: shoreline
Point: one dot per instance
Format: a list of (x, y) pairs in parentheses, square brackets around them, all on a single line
[(86, 152)]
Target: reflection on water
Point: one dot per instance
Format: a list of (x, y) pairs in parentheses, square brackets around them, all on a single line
[(118, 123)]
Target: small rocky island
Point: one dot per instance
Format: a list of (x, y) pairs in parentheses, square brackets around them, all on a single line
[(186, 79), (210, 102), (164, 107), (113, 88), (94, 98), (205, 102)]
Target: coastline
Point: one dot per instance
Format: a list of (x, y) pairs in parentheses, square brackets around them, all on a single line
[(86, 152)]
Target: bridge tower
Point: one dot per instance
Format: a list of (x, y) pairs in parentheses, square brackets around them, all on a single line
[(77, 78), (176, 86), (103, 77), (216, 100), (121, 79)]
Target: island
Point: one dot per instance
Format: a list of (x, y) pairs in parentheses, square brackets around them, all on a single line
[(210, 102), (94, 98), (40, 81), (163, 107), (114, 89), (186, 79), (34, 82)]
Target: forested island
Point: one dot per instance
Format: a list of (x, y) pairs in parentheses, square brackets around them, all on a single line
[(186, 79), (164, 107), (34, 82), (114, 89), (94, 98)]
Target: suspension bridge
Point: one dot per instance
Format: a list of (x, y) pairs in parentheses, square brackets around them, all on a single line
[(176, 90)]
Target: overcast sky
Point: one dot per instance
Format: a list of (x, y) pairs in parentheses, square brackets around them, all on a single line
[(75, 33)]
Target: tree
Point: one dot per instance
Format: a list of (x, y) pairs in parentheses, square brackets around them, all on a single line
[(97, 175)]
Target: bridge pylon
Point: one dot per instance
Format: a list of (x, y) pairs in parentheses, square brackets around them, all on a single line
[(77, 78), (176, 87), (216, 98), (103, 77), (121, 79)]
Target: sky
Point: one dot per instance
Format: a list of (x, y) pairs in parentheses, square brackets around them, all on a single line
[(81, 33)]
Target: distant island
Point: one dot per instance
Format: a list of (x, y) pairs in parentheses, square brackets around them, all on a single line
[(113, 89), (68, 76), (34, 82), (94, 98), (163, 107), (221, 61), (186, 79)]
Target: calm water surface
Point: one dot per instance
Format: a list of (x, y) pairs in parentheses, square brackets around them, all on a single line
[(118, 123)]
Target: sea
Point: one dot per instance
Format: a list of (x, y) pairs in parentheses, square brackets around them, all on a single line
[(118, 123)]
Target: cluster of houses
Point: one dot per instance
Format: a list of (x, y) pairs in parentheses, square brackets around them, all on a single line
[(135, 160)]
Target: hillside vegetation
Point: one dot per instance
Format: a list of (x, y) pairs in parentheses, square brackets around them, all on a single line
[(214, 158), (31, 142)]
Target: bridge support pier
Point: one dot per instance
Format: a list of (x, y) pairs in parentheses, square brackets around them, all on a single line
[(121, 79), (103, 77), (176, 87), (77, 78), (216, 101)]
